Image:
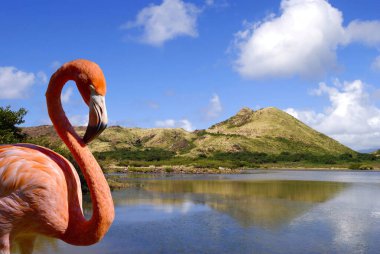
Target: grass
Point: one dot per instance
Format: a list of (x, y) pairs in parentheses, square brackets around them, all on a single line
[(268, 130), (115, 184), (251, 139), (154, 157), (159, 157)]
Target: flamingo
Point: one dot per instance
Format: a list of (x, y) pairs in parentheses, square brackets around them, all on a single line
[(40, 190)]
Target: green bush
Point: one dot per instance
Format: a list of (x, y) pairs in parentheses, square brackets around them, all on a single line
[(355, 166), (365, 167), (148, 154), (244, 159), (169, 170), (9, 119)]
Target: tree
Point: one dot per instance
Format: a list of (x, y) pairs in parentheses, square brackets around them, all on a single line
[(9, 119)]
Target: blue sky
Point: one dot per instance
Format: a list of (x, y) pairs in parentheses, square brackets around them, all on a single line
[(190, 64)]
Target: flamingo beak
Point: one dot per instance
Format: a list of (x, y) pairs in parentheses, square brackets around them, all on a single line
[(97, 121)]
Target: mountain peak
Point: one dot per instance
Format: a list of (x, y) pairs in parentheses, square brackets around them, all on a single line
[(245, 111), (246, 116), (272, 129), (248, 111), (271, 109), (242, 117)]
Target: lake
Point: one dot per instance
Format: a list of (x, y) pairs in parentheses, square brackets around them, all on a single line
[(260, 212)]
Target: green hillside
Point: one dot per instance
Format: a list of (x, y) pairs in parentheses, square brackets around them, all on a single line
[(268, 130), (272, 131), (247, 139)]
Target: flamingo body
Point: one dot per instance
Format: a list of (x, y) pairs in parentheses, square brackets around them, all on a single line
[(29, 174), (40, 191)]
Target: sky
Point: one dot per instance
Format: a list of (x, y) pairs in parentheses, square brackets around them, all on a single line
[(193, 63)]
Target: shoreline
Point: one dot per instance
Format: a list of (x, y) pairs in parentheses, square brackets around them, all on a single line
[(115, 173), (221, 170)]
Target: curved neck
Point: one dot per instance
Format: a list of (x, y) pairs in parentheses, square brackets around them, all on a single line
[(79, 230)]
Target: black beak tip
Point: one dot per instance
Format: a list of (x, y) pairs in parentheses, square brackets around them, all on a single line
[(93, 132), (86, 139)]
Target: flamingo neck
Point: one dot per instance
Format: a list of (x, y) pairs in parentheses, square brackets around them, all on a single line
[(80, 231)]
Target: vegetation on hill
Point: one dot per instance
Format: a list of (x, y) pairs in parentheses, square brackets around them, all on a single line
[(273, 131), (264, 138), (268, 130)]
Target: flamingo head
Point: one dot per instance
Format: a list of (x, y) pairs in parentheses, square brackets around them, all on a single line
[(92, 87), (97, 120)]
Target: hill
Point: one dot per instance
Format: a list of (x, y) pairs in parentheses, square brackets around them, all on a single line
[(268, 130), (267, 137), (272, 131)]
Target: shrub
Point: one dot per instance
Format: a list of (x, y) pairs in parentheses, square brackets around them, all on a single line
[(148, 154), (9, 119), (355, 166), (169, 170), (365, 167)]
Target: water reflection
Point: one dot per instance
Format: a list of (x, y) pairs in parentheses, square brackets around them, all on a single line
[(348, 223), (319, 212), (267, 204)]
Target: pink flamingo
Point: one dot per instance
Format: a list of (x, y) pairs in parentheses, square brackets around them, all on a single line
[(40, 190)]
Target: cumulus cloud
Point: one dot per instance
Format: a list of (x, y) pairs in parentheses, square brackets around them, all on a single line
[(152, 104), (376, 64), (310, 117), (215, 108), (41, 77), (66, 95), (55, 65), (216, 4), (14, 83), (302, 40), (366, 32), (171, 123), (209, 2), (171, 19), (78, 120), (351, 118), (75, 120)]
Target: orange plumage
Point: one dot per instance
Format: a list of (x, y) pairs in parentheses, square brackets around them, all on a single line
[(40, 190)]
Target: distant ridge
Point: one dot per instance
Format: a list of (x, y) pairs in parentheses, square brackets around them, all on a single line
[(267, 130)]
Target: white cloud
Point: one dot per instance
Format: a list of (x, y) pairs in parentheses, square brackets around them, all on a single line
[(366, 32), (351, 118), (310, 117), (14, 83), (215, 107), (170, 123), (301, 41), (78, 120), (209, 2), (66, 95), (153, 104), (376, 64), (45, 121), (216, 4), (171, 19), (55, 65), (41, 77)]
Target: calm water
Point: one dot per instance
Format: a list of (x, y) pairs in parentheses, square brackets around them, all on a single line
[(262, 212)]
